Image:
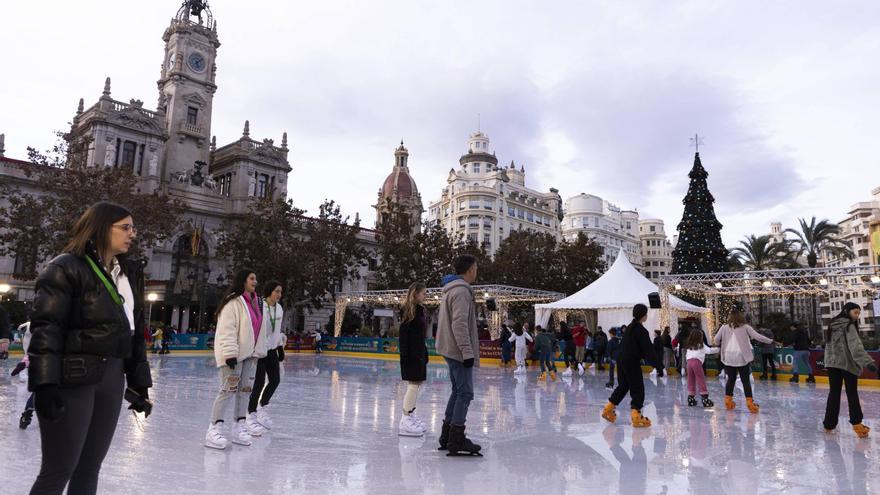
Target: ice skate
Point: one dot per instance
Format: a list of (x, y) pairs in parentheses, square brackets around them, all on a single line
[(707, 402), (692, 401), (567, 371), (460, 445), (728, 402), (240, 434), (409, 427), (214, 439), (753, 408), (444, 436), (263, 417), (609, 385), (794, 378), (254, 428), (581, 369), (26, 418), (639, 421), (418, 421), (861, 430), (553, 375), (608, 413), (542, 376), (811, 379)]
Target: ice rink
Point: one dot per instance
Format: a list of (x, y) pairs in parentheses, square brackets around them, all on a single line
[(336, 432)]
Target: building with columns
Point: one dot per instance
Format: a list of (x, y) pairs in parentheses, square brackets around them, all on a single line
[(656, 249), (606, 224), (484, 202), (171, 150)]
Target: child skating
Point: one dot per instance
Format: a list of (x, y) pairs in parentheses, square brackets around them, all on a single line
[(546, 344), (696, 378), (521, 341), (634, 346), (736, 356), (613, 347)]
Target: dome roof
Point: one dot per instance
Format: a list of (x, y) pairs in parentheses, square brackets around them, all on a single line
[(399, 180), (583, 203)]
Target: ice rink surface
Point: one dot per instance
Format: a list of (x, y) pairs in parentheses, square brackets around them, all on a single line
[(336, 432)]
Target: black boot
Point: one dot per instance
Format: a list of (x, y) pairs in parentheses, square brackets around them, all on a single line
[(763, 376), (444, 436), (26, 418), (692, 401), (707, 402), (794, 378), (811, 379), (459, 444), (773, 376)]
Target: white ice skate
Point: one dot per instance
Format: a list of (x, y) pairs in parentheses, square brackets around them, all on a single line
[(263, 417), (240, 434), (409, 428), (254, 428), (581, 369), (520, 370), (567, 371), (214, 439), (418, 422)]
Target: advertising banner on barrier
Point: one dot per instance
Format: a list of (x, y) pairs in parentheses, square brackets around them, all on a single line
[(191, 342)]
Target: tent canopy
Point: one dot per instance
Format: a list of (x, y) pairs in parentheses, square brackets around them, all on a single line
[(621, 287)]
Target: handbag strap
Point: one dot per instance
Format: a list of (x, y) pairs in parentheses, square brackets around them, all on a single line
[(110, 287)]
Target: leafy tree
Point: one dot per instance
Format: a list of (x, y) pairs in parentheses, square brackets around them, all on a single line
[(760, 253), (528, 259), (582, 263), (36, 226)]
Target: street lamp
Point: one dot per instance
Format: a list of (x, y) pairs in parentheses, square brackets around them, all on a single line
[(4, 288), (151, 298)]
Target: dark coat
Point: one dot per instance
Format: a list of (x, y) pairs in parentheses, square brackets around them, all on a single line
[(658, 346), (636, 345), (413, 350), (801, 341), (74, 313)]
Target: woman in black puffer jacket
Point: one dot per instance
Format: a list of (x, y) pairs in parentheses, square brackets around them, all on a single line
[(413, 357), (83, 349)]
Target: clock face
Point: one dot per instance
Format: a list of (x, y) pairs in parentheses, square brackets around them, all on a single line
[(196, 61)]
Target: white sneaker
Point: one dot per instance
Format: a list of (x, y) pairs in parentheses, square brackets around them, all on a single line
[(263, 417), (520, 370), (419, 422), (240, 434), (214, 439), (409, 428), (254, 428), (580, 369), (567, 371)]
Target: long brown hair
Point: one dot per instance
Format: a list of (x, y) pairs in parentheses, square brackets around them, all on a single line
[(736, 319), (694, 340), (92, 230), (236, 289), (410, 304)]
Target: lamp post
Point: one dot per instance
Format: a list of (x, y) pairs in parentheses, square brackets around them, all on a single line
[(151, 298)]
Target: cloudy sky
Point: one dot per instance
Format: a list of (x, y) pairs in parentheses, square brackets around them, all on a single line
[(596, 97)]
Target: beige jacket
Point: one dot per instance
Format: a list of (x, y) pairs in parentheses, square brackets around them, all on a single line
[(235, 334), (457, 336)]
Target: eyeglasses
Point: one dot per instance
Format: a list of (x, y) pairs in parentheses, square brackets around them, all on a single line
[(128, 228)]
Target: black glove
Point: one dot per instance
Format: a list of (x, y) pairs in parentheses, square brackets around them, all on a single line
[(280, 350), (49, 402), (143, 405), (19, 368), (872, 368), (469, 363), (231, 362)]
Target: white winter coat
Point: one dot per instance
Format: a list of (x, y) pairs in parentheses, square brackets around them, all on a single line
[(235, 334), (274, 336)]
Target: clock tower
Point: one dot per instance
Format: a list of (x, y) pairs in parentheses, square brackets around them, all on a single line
[(187, 86)]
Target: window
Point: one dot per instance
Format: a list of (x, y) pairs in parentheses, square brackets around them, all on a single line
[(372, 264), (488, 204), (192, 115), (474, 204), (628, 225), (262, 185), (462, 205), (476, 168), (529, 216), (511, 211), (662, 263), (474, 222), (129, 150), (595, 221), (472, 237), (520, 214), (863, 252), (487, 223), (487, 238), (653, 228)]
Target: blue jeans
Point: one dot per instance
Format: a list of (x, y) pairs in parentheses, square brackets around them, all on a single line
[(802, 363), (505, 351), (462, 392), (546, 358)]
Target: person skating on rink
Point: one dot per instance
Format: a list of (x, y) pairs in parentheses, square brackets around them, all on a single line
[(28, 414), (736, 356), (413, 357), (545, 343), (268, 367), (568, 348), (845, 358), (505, 345), (634, 346), (696, 351), (613, 347), (521, 341), (579, 337), (458, 342), (801, 355), (768, 356), (238, 344), (600, 342)]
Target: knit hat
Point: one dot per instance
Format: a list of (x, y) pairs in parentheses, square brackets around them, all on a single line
[(639, 311)]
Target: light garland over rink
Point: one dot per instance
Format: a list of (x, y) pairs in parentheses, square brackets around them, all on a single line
[(502, 294), (772, 283)]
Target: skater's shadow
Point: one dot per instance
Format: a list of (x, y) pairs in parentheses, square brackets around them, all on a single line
[(858, 484), (633, 470)]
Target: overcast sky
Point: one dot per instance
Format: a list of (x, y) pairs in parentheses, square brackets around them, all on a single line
[(595, 97)]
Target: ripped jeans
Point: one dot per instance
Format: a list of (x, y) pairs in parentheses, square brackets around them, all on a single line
[(235, 383)]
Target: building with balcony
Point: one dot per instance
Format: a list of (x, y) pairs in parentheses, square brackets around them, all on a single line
[(606, 224), (656, 249)]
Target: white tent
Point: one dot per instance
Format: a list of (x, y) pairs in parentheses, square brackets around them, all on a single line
[(613, 296)]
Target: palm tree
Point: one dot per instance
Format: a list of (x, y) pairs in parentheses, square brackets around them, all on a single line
[(815, 238), (761, 253)]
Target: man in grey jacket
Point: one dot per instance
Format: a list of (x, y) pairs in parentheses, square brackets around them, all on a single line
[(458, 343)]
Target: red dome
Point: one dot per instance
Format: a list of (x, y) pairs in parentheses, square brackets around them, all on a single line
[(400, 179)]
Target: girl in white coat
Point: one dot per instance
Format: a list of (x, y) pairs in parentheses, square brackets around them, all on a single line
[(521, 340), (239, 342), (269, 366)]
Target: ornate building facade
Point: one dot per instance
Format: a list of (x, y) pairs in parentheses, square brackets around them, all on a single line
[(605, 223), (484, 202), (656, 249), (400, 189)]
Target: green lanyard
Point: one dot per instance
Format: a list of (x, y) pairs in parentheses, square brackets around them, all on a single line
[(273, 316), (110, 288)]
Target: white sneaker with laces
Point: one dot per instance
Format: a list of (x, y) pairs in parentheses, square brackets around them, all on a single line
[(214, 439), (240, 434), (263, 417), (254, 428), (419, 422), (409, 428)]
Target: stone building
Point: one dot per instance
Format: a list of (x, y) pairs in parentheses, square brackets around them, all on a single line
[(484, 202), (605, 223), (656, 249)]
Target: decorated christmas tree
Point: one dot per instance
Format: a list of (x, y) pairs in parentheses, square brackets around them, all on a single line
[(699, 248)]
